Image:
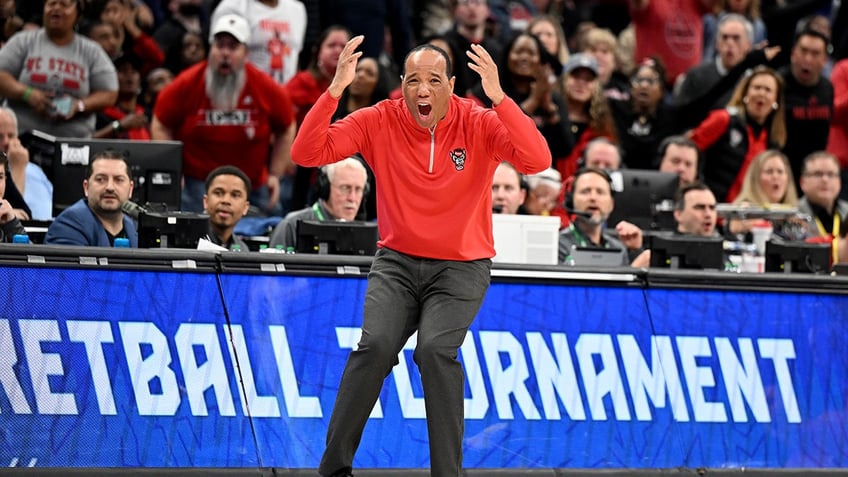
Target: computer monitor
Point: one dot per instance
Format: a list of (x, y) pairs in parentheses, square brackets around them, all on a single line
[(644, 198), (337, 237), (797, 257), (171, 229), (687, 251), (155, 166)]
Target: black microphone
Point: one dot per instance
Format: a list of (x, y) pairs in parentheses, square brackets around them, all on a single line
[(132, 209), (497, 209), (580, 213)]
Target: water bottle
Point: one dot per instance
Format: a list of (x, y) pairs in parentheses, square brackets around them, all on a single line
[(121, 242), (20, 238)]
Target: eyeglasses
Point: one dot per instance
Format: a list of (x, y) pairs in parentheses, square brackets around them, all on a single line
[(822, 174), (347, 189), (638, 80)]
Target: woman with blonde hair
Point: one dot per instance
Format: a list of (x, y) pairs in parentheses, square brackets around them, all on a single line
[(549, 32), (730, 138), (603, 45), (769, 184), (588, 110)]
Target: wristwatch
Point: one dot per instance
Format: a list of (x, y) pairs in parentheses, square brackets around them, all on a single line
[(116, 126), (80, 106)]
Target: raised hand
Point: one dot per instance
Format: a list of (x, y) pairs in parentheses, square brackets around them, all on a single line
[(346, 68), (485, 66)]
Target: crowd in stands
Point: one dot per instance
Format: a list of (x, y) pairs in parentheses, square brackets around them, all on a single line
[(745, 100)]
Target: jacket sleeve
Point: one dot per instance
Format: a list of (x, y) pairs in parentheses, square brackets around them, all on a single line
[(318, 142), (12, 228), (66, 231), (516, 139), (711, 129)]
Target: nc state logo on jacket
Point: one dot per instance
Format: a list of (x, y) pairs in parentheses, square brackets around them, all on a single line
[(458, 158)]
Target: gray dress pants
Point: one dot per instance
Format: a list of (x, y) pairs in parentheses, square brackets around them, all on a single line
[(437, 298)]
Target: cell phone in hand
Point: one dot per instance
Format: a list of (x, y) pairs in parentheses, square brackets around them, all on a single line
[(62, 105)]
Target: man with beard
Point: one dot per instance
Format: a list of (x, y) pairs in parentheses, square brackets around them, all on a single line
[(97, 220), (227, 188), (592, 203), (227, 112)]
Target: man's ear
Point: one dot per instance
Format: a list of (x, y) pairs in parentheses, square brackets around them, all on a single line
[(452, 82)]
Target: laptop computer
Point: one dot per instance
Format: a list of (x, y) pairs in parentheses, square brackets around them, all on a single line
[(596, 257)]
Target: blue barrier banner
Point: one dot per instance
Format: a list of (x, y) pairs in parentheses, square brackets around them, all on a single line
[(174, 369)]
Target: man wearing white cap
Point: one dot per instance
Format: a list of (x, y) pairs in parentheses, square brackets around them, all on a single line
[(226, 112), (278, 28)]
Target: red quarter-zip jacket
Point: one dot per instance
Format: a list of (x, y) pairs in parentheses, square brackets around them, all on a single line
[(434, 188)]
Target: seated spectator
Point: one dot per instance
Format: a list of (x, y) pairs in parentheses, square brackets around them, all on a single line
[(601, 153), (508, 190), (543, 189), (227, 190), (820, 184), (769, 183), (98, 219), (695, 210), (592, 203), (341, 186), (9, 223), (28, 178), (680, 155), (695, 214)]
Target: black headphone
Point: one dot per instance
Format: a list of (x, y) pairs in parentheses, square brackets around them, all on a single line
[(569, 184), (322, 184)]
